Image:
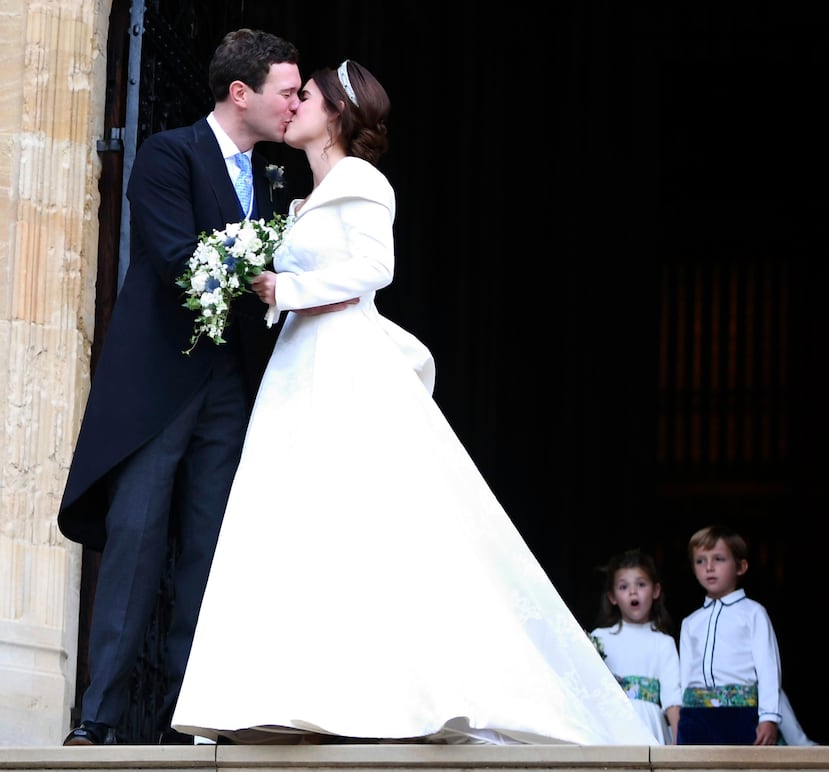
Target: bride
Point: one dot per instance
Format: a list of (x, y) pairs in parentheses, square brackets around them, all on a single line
[(367, 585)]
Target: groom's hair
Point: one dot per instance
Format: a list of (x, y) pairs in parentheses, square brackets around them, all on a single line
[(247, 55)]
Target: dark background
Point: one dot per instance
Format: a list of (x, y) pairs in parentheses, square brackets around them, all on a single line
[(569, 182)]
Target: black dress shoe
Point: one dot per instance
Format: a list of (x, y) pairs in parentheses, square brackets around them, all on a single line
[(91, 733), (172, 737)]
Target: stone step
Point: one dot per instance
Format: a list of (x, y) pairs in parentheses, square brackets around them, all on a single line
[(412, 758)]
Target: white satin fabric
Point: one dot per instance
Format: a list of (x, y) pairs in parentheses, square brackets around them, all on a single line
[(367, 583)]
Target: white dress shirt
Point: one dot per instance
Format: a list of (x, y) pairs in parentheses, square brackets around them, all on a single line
[(227, 146), (731, 640)]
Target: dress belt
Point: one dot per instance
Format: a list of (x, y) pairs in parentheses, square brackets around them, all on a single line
[(728, 696), (640, 688)]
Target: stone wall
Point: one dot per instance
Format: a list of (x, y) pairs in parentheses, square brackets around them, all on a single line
[(52, 92)]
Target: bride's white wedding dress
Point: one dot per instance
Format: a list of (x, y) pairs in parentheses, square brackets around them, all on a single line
[(367, 583)]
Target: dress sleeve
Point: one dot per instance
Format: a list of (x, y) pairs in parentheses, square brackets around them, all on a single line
[(686, 651), (670, 691), (365, 212), (767, 664)]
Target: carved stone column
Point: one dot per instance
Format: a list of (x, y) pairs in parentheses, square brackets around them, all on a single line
[(52, 56)]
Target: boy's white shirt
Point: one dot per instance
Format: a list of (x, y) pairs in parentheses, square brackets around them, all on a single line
[(731, 640)]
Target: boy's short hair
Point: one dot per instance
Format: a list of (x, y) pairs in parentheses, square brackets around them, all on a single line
[(706, 538)]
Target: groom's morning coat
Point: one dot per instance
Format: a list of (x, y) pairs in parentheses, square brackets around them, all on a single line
[(143, 379)]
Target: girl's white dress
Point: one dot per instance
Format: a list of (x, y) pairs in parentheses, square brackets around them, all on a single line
[(367, 583), (635, 651)]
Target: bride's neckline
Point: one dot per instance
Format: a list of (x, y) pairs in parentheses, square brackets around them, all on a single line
[(301, 202)]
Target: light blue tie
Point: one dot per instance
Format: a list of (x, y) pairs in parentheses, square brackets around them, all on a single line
[(244, 182)]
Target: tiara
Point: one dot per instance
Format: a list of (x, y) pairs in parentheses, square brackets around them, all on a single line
[(342, 73)]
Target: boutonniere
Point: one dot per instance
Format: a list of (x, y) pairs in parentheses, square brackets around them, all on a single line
[(276, 178)]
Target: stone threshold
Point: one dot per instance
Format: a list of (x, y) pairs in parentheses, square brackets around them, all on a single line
[(421, 758)]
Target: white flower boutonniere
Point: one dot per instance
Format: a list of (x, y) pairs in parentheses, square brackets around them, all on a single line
[(276, 178), (220, 269)]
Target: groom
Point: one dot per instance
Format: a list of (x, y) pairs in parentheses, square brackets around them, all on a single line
[(162, 432)]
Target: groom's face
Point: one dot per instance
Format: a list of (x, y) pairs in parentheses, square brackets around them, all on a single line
[(270, 111)]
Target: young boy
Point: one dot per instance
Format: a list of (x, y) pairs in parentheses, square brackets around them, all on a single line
[(728, 653)]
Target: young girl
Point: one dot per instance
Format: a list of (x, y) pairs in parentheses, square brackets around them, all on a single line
[(634, 637)]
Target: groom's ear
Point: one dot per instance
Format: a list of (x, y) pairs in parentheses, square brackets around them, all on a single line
[(238, 93)]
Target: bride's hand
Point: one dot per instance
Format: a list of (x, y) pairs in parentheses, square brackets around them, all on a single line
[(264, 286)]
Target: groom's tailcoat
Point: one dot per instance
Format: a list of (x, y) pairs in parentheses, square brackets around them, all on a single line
[(143, 379)]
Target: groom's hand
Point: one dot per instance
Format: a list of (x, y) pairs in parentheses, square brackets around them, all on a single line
[(313, 311)]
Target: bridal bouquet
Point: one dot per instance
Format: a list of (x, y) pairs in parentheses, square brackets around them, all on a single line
[(220, 268)]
